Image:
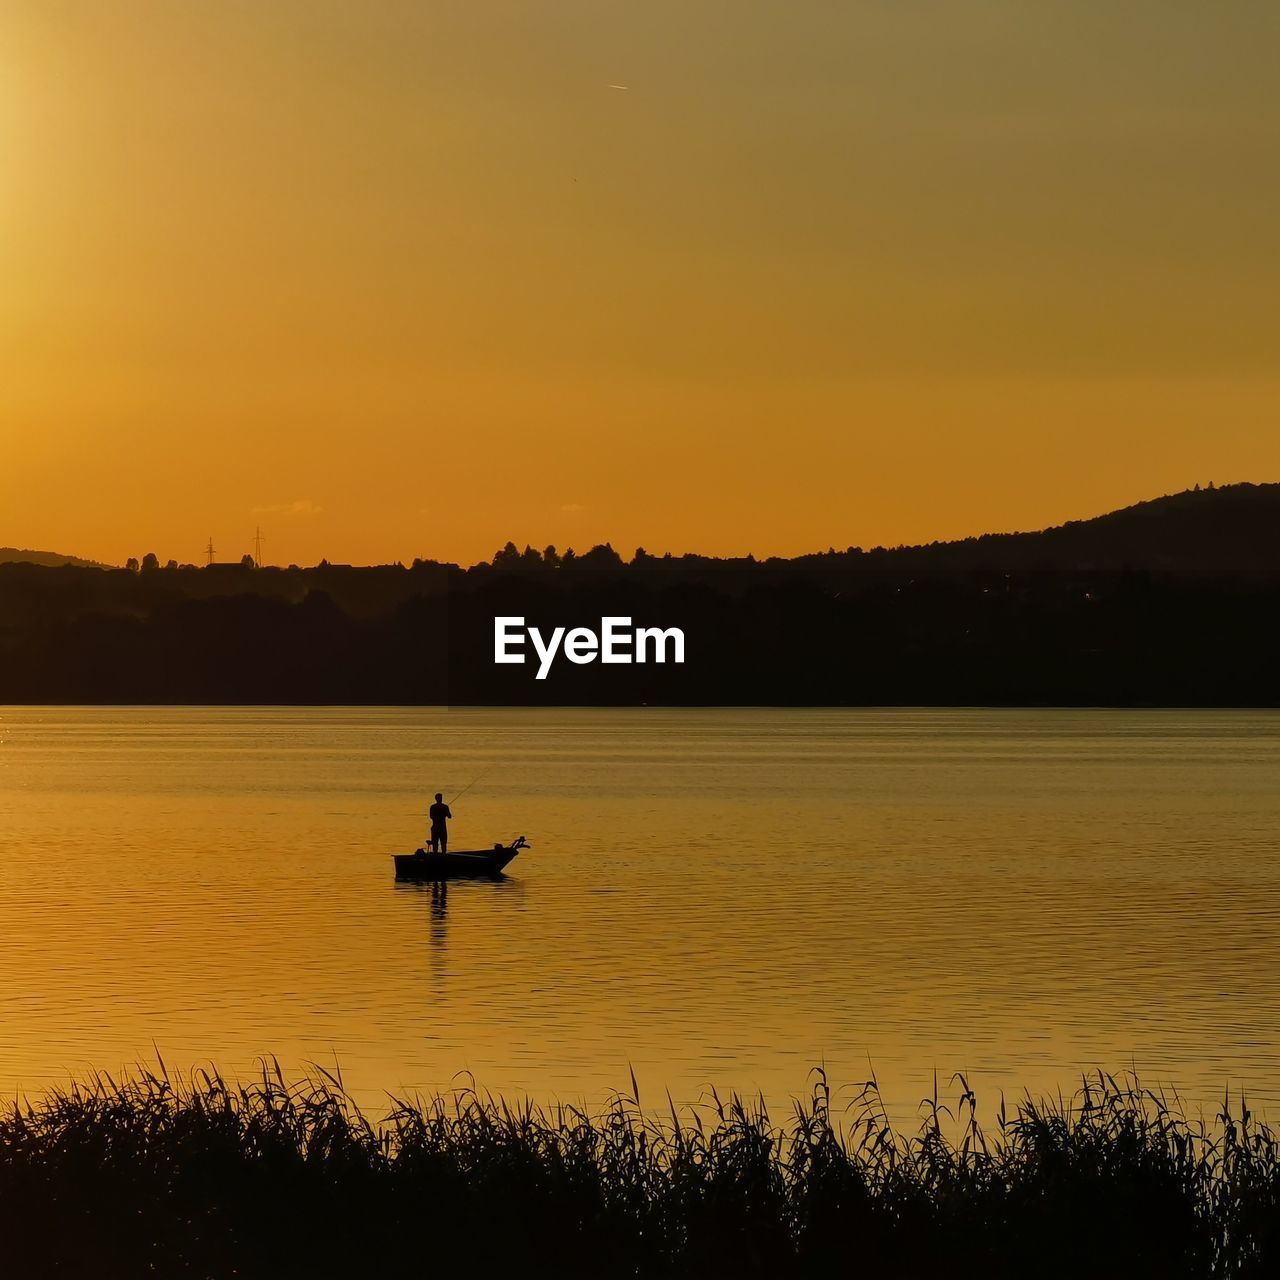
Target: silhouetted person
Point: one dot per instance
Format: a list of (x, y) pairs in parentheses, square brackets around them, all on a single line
[(439, 815)]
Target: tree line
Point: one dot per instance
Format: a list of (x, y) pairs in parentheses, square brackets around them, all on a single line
[(425, 635), (1172, 602)]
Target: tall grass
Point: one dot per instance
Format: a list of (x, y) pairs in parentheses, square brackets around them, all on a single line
[(193, 1176)]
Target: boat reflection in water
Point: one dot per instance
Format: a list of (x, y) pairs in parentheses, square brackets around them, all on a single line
[(475, 890)]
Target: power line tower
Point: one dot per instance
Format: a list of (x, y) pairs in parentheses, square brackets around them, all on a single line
[(257, 548), (209, 549)]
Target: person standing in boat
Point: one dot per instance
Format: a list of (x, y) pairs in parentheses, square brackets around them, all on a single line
[(439, 815)]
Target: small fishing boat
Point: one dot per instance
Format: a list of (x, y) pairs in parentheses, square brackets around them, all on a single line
[(461, 864)]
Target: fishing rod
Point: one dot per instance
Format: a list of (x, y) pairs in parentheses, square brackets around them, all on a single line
[(487, 769)]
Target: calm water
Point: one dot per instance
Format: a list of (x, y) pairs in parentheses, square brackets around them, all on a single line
[(718, 897)]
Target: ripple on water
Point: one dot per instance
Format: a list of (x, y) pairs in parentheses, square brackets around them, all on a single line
[(713, 897)]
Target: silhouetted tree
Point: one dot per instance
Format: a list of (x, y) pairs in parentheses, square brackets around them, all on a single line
[(247, 562), (550, 556), (601, 556), (150, 561), (132, 564), (509, 556), (530, 557), (171, 564)]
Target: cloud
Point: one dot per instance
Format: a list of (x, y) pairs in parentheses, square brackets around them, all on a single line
[(619, 86), (572, 508), (302, 507)]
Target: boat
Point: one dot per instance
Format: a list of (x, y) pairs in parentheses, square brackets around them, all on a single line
[(460, 864)]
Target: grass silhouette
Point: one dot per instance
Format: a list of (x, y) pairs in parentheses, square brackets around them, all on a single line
[(192, 1175)]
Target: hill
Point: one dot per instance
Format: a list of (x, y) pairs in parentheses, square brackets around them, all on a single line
[(49, 559), (1172, 602), (1228, 530), (1231, 532)]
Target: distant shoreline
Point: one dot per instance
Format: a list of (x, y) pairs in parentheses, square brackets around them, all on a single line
[(1172, 603)]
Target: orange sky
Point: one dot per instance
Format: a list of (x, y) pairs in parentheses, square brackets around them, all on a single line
[(400, 277)]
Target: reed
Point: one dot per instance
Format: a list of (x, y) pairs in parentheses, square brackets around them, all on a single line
[(193, 1175)]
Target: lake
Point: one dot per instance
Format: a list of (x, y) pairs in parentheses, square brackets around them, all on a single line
[(711, 897)]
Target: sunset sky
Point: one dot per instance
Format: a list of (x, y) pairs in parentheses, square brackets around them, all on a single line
[(397, 279)]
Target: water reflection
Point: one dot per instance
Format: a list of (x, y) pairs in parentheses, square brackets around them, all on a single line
[(439, 894), (439, 905)]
